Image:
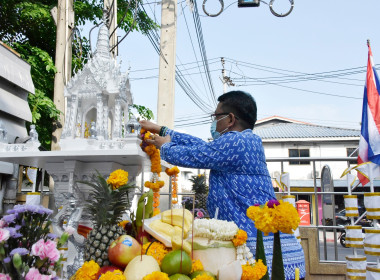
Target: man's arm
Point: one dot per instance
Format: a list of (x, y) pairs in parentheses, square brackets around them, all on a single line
[(220, 154)]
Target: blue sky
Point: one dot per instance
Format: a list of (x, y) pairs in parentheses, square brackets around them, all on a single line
[(262, 52)]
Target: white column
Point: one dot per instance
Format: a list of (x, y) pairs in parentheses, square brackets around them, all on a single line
[(117, 119), (99, 114)]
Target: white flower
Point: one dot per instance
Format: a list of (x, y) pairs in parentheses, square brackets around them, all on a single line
[(70, 230)]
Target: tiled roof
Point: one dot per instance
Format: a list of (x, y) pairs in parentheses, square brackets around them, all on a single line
[(296, 130)]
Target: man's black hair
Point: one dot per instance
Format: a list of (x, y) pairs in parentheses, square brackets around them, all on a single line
[(242, 105)]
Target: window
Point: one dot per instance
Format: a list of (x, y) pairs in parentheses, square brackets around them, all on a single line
[(349, 152), (299, 153)]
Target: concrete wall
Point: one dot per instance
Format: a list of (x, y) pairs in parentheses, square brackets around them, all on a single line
[(317, 149)]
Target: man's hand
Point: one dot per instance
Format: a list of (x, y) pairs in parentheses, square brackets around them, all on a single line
[(158, 141), (152, 127)]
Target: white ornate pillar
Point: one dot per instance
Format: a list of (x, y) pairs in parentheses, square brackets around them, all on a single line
[(117, 119), (73, 115), (66, 128), (99, 114), (105, 118), (78, 124)]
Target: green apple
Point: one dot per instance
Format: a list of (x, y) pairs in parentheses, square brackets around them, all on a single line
[(178, 276), (171, 263)]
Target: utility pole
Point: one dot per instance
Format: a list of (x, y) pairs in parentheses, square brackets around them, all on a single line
[(64, 19), (166, 80), (111, 6)]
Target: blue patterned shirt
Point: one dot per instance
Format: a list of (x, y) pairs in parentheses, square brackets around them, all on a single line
[(239, 178)]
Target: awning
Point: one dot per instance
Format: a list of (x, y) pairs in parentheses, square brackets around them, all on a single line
[(15, 70), (14, 105)]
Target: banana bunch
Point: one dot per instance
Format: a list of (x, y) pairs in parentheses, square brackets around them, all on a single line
[(170, 227), (177, 217)]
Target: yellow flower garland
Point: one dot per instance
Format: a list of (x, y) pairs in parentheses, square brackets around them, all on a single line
[(155, 249), (240, 238), (173, 173), (157, 275), (255, 272), (118, 178), (155, 159), (88, 271), (282, 217), (113, 275)]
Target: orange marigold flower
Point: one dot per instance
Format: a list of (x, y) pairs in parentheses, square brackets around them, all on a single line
[(118, 178), (255, 272), (88, 271), (155, 249), (157, 275), (240, 238), (113, 275), (197, 265)]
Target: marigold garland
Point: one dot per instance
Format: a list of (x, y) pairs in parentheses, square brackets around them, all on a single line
[(155, 159), (157, 275), (118, 178), (173, 173), (196, 266), (240, 238), (88, 271), (280, 216), (155, 249), (255, 272), (113, 275)]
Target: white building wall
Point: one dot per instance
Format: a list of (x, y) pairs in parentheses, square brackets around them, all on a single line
[(303, 172)]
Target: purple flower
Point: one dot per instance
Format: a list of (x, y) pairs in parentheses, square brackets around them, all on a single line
[(20, 251), (9, 218), (17, 209), (272, 203), (13, 232), (7, 260), (52, 236)]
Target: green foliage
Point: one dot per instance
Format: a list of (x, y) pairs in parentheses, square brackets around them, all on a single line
[(277, 262), (260, 252), (143, 111), (28, 27)]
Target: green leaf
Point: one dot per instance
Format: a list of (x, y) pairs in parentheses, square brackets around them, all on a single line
[(277, 262), (260, 252)]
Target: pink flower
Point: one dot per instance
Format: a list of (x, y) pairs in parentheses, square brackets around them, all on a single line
[(200, 214), (2, 223), (34, 274), (46, 249), (4, 234), (5, 277)]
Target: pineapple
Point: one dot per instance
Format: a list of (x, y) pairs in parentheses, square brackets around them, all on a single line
[(200, 189), (105, 208)]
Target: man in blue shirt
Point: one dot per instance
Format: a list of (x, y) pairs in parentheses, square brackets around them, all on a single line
[(239, 177)]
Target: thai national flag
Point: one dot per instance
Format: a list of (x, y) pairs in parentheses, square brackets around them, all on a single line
[(369, 145)]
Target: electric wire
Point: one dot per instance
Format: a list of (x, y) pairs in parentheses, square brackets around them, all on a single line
[(198, 28), (193, 48), (130, 28), (122, 19)]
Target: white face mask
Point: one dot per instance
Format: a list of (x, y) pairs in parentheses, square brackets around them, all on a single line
[(215, 134)]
